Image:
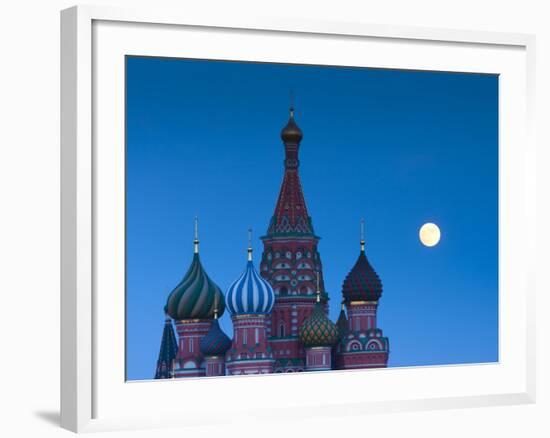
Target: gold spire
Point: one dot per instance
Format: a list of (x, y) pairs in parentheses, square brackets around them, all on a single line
[(250, 244), (362, 235), (196, 241), (343, 305), (318, 289), (216, 307)]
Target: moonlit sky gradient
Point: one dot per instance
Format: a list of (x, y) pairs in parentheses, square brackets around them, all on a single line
[(399, 148)]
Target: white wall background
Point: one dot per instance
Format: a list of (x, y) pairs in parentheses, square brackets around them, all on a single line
[(29, 214)]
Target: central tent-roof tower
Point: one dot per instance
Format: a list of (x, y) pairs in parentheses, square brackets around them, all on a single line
[(290, 260), (291, 215)]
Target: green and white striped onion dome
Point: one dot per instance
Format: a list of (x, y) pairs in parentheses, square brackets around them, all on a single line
[(196, 296)]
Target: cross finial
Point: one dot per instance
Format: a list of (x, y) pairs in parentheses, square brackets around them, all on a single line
[(250, 244), (362, 234), (196, 241)]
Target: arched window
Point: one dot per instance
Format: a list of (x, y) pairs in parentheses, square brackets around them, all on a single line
[(374, 345), (354, 346), (281, 330), (283, 291), (189, 365)]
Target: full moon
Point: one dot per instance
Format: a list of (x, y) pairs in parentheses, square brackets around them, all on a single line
[(429, 234)]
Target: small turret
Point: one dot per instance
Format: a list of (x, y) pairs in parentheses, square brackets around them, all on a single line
[(168, 352)]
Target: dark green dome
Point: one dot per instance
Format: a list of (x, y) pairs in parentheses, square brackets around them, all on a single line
[(196, 296), (318, 330)]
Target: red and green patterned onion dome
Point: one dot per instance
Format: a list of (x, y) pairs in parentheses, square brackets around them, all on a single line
[(195, 297), (318, 330), (362, 283), (216, 342)]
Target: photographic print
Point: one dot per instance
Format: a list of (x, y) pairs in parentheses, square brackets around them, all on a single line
[(287, 218)]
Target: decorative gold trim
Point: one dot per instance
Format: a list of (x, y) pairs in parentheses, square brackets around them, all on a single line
[(189, 321), (249, 315), (356, 303)]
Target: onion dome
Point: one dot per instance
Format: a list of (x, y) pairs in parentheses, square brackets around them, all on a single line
[(362, 283), (250, 293), (215, 342), (318, 330), (342, 322), (196, 295), (291, 133)]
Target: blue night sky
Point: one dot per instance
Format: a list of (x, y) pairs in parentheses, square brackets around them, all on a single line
[(399, 148)]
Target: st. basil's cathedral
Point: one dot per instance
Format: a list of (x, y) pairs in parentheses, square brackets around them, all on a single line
[(280, 315)]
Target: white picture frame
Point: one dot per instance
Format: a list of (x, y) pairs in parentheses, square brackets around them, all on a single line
[(94, 395)]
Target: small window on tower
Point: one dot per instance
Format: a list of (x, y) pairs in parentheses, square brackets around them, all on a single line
[(282, 331)]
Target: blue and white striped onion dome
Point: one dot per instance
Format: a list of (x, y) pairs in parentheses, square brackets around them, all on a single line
[(250, 294)]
